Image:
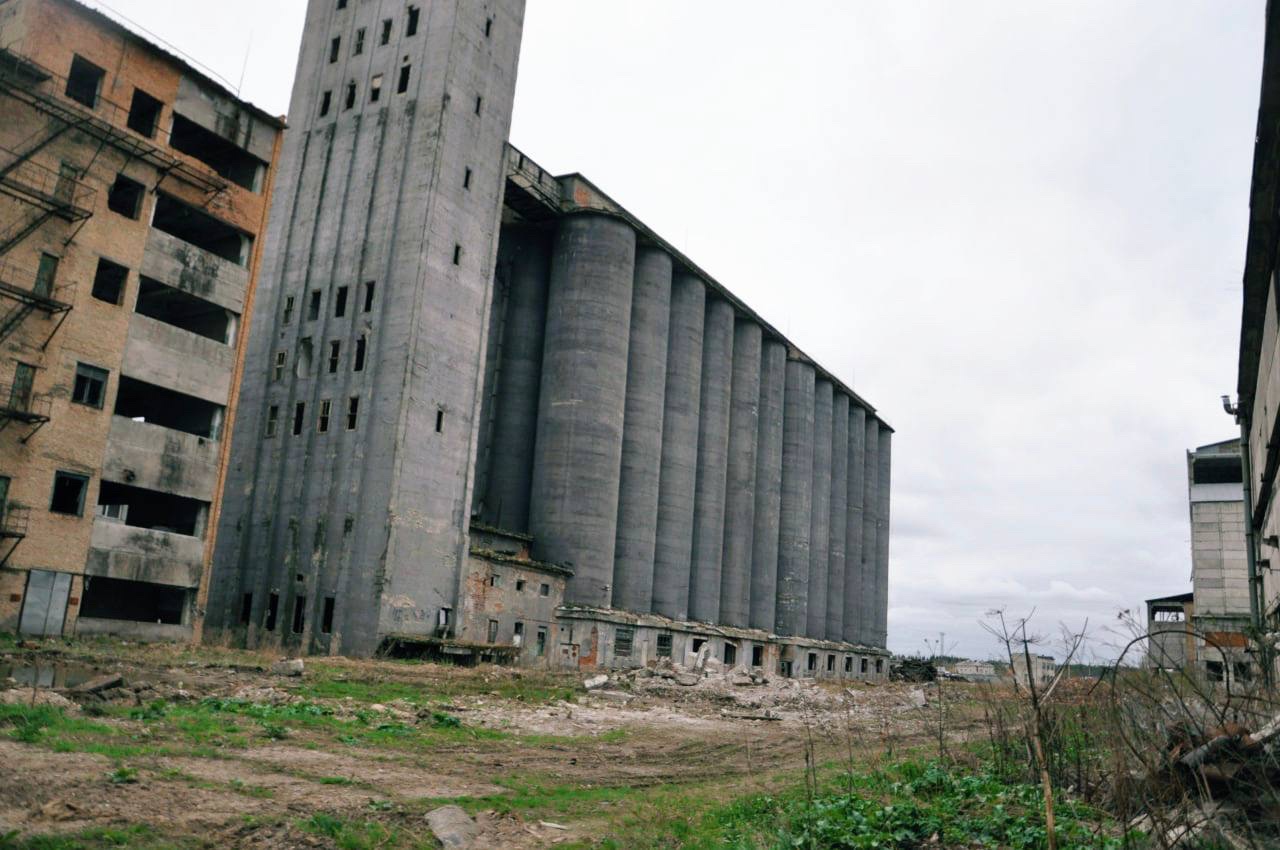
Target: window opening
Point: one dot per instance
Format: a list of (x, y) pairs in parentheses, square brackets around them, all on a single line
[(24, 380), (351, 95), (288, 309), (385, 37), (368, 297), (90, 387), (335, 354), (46, 275), (273, 606), (246, 608), (757, 656), (277, 371), (313, 308), (144, 113), (544, 590), (540, 643), (402, 84), (439, 421), (664, 646), (375, 88), (488, 27), (326, 100), (358, 366), (457, 255), (273, 419), (730, 654), (466, 179), (299, 416), (84, 81), (623, 639), (493, 631), (411, 26), (353, 412), (125, 197), (109, 281), (334, 47), (326, 408), (326, 616), (340, 302), (299, 613), (358, 48), (69, 489)]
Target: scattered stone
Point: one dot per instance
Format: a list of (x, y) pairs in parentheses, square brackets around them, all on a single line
[(287, 667), (25, 696), (596, 682), (549, 825), (452, 827), (916, 699), (100, 684), (59, 810), (687, 679)]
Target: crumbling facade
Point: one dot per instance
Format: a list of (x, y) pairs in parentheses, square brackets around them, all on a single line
[(132, 192), (468, 371)]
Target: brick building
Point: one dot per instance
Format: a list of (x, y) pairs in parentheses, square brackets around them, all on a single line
[(133, 190)]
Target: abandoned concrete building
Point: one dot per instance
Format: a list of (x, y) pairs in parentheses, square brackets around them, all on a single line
[(489, 412), (132, 190)]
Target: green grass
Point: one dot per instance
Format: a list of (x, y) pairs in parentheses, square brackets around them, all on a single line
[(136, 836), (351, 834)]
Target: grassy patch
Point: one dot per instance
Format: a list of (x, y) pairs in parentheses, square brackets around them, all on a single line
[(351, 834), (135, 836)]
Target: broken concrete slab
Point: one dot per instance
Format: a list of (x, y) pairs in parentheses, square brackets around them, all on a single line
[(595, 682), (288, 667), (99, 684), (452, 827)]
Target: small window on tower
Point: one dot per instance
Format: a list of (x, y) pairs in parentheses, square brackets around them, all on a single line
[(402, 85), (277, 371), (340, 303), (479, 101), (335, 47), (457, 255), (488, 27), (326, 408), (313, 308), (273, 606), (273, 419), (351, 95), (299, 614), (358, 361), (326, 617), (246, 608), (342, 4), (385, 37), (335, 355), (358, 47), (466, 178), (411, 26), (368, 297), (353, 412), (375, 88), (288, 309), (439, 421), (325, 100), (299, 417)]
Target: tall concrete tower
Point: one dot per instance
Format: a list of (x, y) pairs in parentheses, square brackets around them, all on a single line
[(349, 489)]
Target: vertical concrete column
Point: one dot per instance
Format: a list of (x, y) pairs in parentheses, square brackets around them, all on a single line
[(851, 628), (870, 505), (642, 432), (673, 551), (526, 256), (794, 530), (740, 490), (573, 512), (820, 514), (713, 451), (839, 516), (764, 540), (882, 536)]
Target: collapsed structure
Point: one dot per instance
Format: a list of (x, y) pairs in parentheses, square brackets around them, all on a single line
[(491, 413), (133, 189)]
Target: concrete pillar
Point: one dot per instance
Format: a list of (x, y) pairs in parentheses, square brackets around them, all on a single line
[(713, 451), (870, 504), (839, 516), (884, 454), (526, 257), (673, 550), (797, 500), (851, 628), (820, 513), (764, 540), (642, 432), (573, 512), (740, 490)]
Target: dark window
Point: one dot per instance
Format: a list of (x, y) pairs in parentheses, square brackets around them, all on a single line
[(193, 225), (664, 646), (313, 308), (368, 296), (479, 100), (457, 255), (385, 37), (24, 381), (757, 656), (375, 88), (411, 26), (109, 281), (863, 665), (46, 275), (831, 664), (137, 601), (68, 493), (730, 654), (299, 613), (326, 408), (544, 590), (273, 606), (145, 402), (402, 84), (623, 639), (350, 100), (340, 302), (358, 365), (342, 4), (277, 371), (334, 47), (144, 113), (222, 155), (84, 81), (91, 385), (325, 100), (495, 580), (540, 643), (466, 179), (273, 419), (519, 585), (353, 412), (488, 27), (813, 661), (299, 416), (879, 665), (335, 354), (493, 631), (302, 367), (697, 643), (288, 309), (439, 421), (1217, 470), (125, 197), (246, 608), (326, 616), (358, 47)]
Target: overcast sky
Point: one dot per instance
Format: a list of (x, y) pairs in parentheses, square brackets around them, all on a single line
[(1017, 228)]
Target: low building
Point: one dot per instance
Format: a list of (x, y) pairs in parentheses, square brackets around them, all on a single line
[(1043, 669), (1171, 644), (975, 671), (133, 192)]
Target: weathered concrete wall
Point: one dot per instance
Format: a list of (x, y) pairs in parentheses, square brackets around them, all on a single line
[(740, 489), (884, 450), (839, 516), (795, 528), (713, 450), (156, 458), (870, 528), (167, 356), (142, 554), (851, 628), (764, 538), (820, 513), (184, 266)]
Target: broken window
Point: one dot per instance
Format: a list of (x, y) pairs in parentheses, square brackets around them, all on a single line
[(84, 81), (488, 27), (520, 585), (200, 229), (493, 631), (757, 656), (466, 178), (246, 608), (457, 255), (623, 639), (154, 510), (402, 84), (411, 26), (125, 197), (273, 606), (325, 100), (69, 489), (540, 642), (831, 663), (697, 644), (299, 613), (326, 616), (664, 646), (813, 661), (277, 371), (46, 275), (288, 309), (109, 281), (730, 654), (353, 412), (358, 365), (479, 100), (136, 601), (273, 419), (342, 4), (90, 387), (144, 113), (326, 407), (439, 421), (299, 417), (517, 634), (1169, 615), (375, 88), (848, 664), (544, 590), (879, 665), (183, 310), (143, 402), (784, 668), (224, 156), (335, 355), (24, 379), (368, 296), (340, 302), (303, 366), (313, 307), (335, 46), (1217, 470), (495, 580), (863, 666), (350, 100), (358, 47), (385, 37)]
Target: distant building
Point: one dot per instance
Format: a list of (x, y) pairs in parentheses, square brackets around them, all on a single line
[(975, 670), (1171, 645), (1043, 669)]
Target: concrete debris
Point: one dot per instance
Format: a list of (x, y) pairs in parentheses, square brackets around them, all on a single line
[(452, 827), (288, 667), (100, 683), (550, 825), (596, 682), (916, 699), (40, 696)]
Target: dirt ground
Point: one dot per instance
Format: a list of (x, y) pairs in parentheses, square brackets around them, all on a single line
[(209, 748)]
